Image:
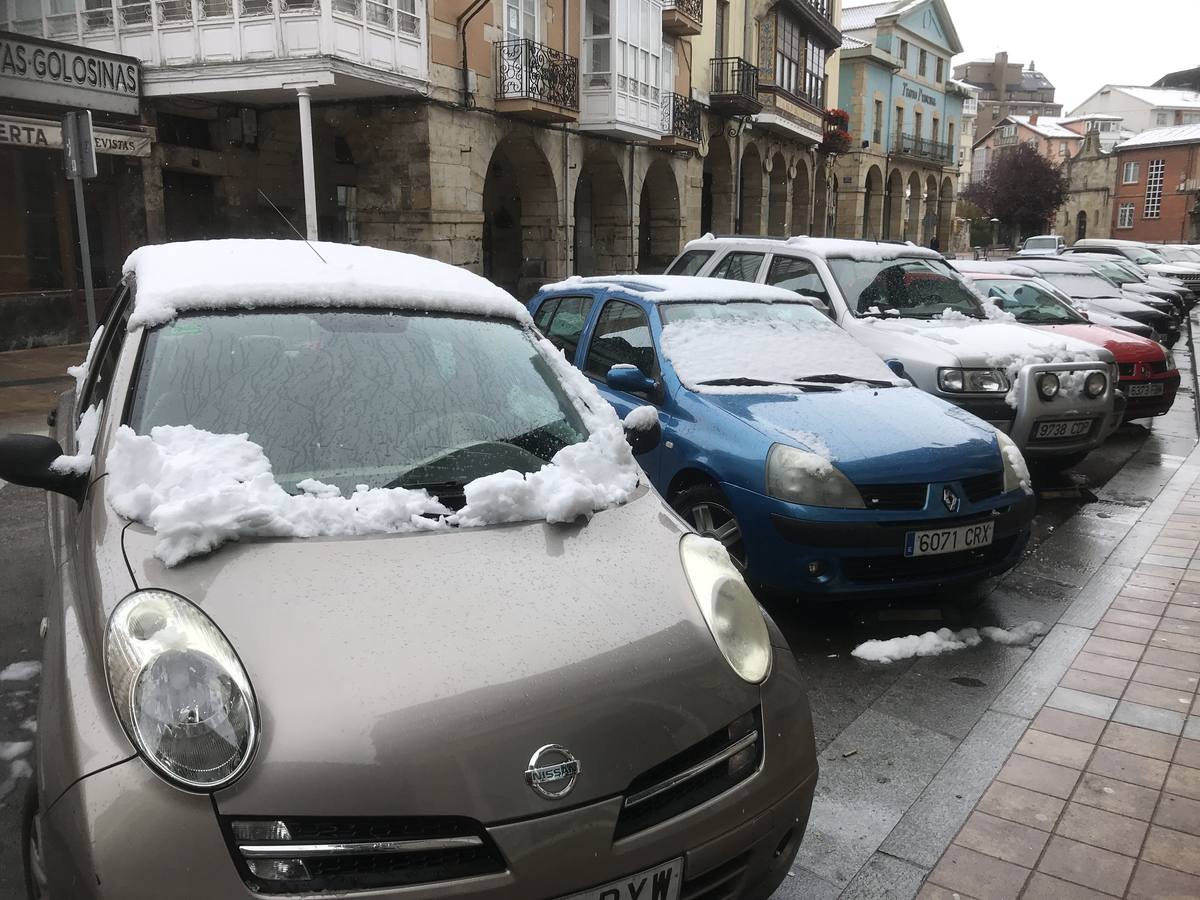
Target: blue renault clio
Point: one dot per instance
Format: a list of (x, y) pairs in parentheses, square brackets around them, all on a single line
[(821, 470)]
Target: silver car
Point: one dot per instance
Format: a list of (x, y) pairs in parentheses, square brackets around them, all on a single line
[(357, 588)]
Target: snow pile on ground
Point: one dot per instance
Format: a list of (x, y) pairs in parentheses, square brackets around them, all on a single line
[(11, 750), (935, 643), (704, 350), (80, 462), (642, 419), (21, 671), (233, 274)]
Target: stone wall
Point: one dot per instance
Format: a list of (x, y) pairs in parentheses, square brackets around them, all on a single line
[(1092, 176)]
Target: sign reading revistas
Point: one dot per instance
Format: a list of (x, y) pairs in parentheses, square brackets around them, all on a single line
[(63, 75), (42, 134)]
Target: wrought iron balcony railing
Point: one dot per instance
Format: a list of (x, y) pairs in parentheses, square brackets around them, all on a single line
[(693, 8), (681, 117), (925, 148), (527, 70), (734, 84)]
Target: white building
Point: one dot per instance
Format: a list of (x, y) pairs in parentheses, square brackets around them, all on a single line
[(1143, 108)]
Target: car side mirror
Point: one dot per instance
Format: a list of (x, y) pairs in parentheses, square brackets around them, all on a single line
[(630, 379), (26, 458), (643, 431)]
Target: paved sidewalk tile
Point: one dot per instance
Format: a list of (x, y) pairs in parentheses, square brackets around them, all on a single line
[(1151, 882), (1178, 813), (1141, 741), (1112, 831), (1084, 703), (1151, 717), (1068, 724), (979, 875), (1003, 839), (1018, 804), (1093, 867)]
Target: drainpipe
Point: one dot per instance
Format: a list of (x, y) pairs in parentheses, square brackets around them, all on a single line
[(306, 156), (569, 249), (463, 22), (632, 257), (737, 180)]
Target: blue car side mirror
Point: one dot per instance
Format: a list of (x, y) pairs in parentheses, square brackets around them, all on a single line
[(630, 379), (897, 367)]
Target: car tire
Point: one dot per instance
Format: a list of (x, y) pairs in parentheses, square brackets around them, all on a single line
[(31, 846), (709, 512)]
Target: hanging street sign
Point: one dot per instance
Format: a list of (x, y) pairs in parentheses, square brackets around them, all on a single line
[(44, 134), (65, 75)]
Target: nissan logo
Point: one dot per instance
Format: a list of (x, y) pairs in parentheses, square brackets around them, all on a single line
[(552, 771)]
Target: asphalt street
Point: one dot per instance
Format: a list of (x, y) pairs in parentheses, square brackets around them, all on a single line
[(902, 745)]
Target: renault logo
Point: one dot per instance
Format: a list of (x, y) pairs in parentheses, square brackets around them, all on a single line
[(950, 499), (552, 772)]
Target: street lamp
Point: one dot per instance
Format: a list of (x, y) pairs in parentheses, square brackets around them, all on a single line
[(995, 232)]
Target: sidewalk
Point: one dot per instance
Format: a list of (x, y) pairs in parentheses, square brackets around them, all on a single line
[(30, 382), (1101, 795)]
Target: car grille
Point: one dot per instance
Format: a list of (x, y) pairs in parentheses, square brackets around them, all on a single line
[(289, 855), (721, 883), (894, 496), (1156, 368), (878, 569), (703, 771), (981, 487)]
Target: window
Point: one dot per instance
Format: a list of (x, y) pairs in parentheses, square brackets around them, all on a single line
[(904, 54), (738, 267), (1161, 118), (562, 321), (950, 134), (622, 338), (941, 70), (789, 55), (99, 377), (899, 124), (937, 129), (1064, 149), (347, 214), (917, 123), (597, 43), (1125, 216), (520, 20), (815, 75), (1154, 189), (1130, 173), (690, 263), (923, 65), (719, 36), (795, 274), (1191, 119), (877, 136)]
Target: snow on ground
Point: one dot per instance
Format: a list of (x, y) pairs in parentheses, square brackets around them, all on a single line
[(703, 350), (642, 419), (935, 643), (10, 750), (243, 274), (21, 671), (19, 769)]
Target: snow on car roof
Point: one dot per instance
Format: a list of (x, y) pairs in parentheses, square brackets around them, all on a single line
[(867, 251), (681, 288), (991, 267), (247, 274)]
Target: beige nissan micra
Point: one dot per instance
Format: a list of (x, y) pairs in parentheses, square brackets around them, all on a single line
[(359, 588)]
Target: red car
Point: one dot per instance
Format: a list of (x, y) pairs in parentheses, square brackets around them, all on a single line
[(1148, 376)]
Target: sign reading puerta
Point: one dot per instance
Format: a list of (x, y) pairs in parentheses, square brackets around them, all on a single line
[(67, 76)]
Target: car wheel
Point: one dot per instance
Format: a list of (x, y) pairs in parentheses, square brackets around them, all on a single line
[(31, 846), (709, 512)]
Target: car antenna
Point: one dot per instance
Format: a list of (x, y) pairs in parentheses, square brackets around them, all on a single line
[(291, 226)]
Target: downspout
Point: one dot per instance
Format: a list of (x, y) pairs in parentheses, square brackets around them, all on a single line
[(464, 20), (569, 249), (632, 263), (737, 181)]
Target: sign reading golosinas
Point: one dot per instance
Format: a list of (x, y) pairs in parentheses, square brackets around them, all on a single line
[(63, 75)]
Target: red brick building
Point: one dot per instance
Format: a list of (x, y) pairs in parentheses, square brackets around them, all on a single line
[(1157, 194)]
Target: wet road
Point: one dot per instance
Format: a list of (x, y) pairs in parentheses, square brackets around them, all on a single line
[(886, 731)]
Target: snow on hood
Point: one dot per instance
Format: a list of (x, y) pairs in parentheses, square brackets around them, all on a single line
[(681, 288), (975, 341), (703, 350), (243, 274), (197, 490)]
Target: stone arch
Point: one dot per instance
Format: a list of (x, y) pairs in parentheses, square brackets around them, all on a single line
[(522, 241), (601, 216), (802, 207), (659, 220), (777, 208), (750, 220), (820, 216), (872, 223), (945, 219), (716, 194), (929, 220), (893, 216), (912, 216)]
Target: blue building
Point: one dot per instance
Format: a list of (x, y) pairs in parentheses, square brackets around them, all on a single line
[(900, 179)]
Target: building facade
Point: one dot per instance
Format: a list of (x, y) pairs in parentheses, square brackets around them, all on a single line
[(1157, 193), (1008, 89), (1048, 136), (1143, 108), (1092, 178), (900, 179)]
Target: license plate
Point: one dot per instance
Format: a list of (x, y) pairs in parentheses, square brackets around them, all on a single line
[(948, 540), (1073, 428), (659, 883), (1145, 390)]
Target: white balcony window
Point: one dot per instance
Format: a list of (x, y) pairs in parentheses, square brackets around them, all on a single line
[(520, 20), (622, 67)]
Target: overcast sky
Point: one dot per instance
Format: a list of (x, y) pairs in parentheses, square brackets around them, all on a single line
[(1081, 44)]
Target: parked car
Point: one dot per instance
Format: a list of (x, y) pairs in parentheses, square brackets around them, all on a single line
[(1145, 256), (1090, 290), (909, 306), (1133, 280), (1043, 245), (821, 470), (1149, 377), (371, 689)]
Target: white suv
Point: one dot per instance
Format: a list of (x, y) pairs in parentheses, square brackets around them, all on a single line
[(1054, 395)]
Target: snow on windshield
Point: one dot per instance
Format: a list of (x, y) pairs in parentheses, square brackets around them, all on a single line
[(243, 274), (778, 351)]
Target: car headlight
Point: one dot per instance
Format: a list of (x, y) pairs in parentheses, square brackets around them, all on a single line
[(972, 381), (1048, 385), (180, 690), (1095, 384), (1170, 360), (730, 610), (801, 477), (1016, 473)]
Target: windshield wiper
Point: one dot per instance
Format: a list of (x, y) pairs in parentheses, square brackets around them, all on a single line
[(876, 313), (758, 382), (435, 488), (844, 379)]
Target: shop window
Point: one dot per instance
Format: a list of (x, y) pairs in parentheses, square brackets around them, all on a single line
[(184, 131)]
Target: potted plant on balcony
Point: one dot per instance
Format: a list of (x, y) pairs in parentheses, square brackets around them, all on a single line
[(837, 120), (837, 134)]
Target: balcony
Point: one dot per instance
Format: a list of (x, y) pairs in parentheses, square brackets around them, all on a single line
[(536, 81), (733, 88), (366, 46), (681, 122), (818, 15), (683, 17), (923, 148)]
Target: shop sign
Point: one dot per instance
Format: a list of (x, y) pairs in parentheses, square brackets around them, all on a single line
[(43, 134), (63, 75)]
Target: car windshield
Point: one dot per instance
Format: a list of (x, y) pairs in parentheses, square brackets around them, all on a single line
[(1118, 273), (1173, 254), (385, 399), (1147, 257), (910, 288), (1028, 301), (1082, 284)]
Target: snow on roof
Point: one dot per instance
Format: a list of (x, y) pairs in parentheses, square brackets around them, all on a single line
[(1172, 98), (858, 17), (853, 43), (1047, 126), (680, 288), (964, 85), (1176, 134), (248, 274)]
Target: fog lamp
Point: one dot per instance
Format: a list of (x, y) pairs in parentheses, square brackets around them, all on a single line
[(279, 869), (816, 567), (1048, 385)]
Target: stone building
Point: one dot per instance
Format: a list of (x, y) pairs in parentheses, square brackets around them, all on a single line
[(1008, 89), (900, 180), (1092, 177), (1049, 136)]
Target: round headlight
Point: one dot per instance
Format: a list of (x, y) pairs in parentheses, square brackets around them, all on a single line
[(728, 607), (1048, 385), (1095, 384), (180, 690)]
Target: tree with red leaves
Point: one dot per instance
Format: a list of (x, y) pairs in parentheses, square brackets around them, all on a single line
[(1021, 188)]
